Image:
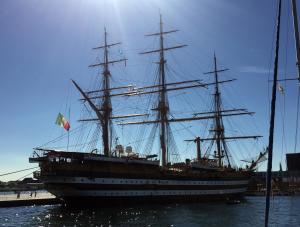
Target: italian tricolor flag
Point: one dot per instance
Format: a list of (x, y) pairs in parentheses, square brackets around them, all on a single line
[(62, 121)]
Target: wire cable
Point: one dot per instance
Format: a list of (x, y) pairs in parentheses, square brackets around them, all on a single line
[(18, 171), (297, 120)]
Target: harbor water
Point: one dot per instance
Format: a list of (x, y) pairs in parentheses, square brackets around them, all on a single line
[(285, 211)]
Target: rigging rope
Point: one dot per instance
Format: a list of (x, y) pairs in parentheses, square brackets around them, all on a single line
[(270, 64), (25, 176), (283, 113), (297, 120), (22, 170)]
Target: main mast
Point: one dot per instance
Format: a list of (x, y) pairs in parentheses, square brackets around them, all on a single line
[(219, 130), (106, 102), (163, 106)]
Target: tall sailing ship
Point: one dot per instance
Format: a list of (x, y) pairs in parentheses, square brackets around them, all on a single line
[(119, 175)]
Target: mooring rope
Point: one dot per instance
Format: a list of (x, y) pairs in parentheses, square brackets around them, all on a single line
[(22, 170)]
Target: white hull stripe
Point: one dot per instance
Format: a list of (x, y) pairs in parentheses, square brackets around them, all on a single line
[(123, 160), (133, 193), (117, 181)]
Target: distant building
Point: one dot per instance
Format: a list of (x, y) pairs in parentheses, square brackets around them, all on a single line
[(29, 180), (283, 182), (293, 167), (293, 161)]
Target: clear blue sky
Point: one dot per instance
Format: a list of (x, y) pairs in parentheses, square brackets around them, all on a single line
[(43, 44)]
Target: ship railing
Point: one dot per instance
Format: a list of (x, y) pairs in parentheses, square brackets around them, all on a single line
[(40, 152), (36, 174), (37, 154)]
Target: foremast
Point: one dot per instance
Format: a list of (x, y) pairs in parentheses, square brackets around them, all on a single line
[(106, 102), (104, 112)]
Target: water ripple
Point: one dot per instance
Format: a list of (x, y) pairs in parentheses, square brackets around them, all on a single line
[(284, 212)]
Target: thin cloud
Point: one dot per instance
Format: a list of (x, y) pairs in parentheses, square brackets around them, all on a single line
[(254, 69)]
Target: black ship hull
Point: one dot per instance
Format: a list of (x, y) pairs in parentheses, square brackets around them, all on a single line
[(86, 179), (86, 201), (108, 194)]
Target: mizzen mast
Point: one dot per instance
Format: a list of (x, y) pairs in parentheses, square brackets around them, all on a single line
[(218, 125), (217, 114)]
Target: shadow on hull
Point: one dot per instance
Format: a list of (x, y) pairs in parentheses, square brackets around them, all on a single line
[(121, 201)]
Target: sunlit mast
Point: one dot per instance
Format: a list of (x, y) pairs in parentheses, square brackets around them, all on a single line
[(163, 105)]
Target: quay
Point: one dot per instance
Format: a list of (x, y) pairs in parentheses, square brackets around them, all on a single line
[(27, 198)]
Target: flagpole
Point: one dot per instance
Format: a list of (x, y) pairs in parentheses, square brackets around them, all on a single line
[(272, 120)]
